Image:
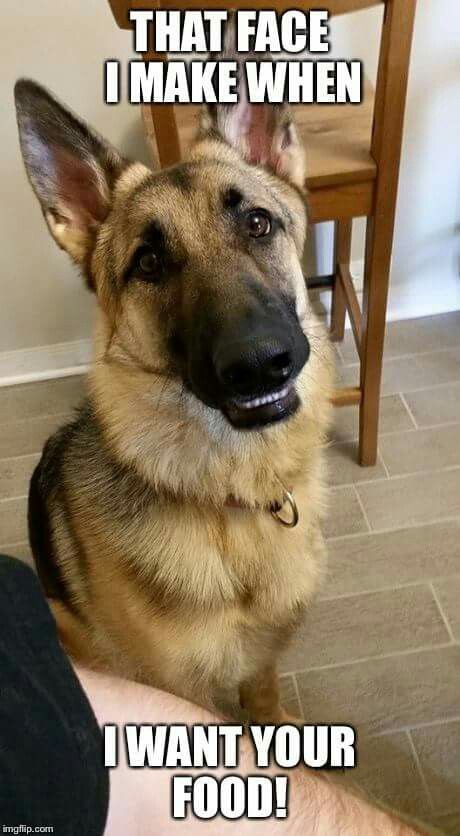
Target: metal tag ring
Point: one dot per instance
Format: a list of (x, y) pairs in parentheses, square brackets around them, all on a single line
[(275, 511)]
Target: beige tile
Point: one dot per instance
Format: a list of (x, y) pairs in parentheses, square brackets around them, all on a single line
[(438, 405), (448, 592), (438, 749), (394, 417), (348, 348), (421, 450), (360, 626), (387, 771), (15, 476), (412, 500), (289, 698), (344, 515), (21, 551), (19, 438), (414, 336), (407, 374), (343, 467), (387, 694), (373, 561), (348, 375), (419, 372), (13, 520), (49, 397)]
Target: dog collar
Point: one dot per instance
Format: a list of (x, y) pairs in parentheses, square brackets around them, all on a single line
[(289, 519)]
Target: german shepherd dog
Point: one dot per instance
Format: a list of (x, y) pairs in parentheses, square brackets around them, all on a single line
[(156, 516)]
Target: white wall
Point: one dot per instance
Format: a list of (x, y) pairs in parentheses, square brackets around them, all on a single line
[(63, 45), (426, 261)]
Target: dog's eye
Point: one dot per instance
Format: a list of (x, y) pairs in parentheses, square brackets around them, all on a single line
[(148, 263), (258, 223)]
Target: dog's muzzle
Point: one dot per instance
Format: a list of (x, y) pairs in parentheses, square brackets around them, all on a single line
[(256, 380)]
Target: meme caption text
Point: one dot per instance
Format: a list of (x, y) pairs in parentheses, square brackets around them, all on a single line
[(179, 747), (260, 37)]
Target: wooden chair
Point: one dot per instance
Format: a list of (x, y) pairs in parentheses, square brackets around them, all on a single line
[(353, 157)]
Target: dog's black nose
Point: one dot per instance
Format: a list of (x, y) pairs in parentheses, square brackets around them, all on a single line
[(251, 366)]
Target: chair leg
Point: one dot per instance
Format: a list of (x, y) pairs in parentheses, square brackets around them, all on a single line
[(375, 298), (342, 252)]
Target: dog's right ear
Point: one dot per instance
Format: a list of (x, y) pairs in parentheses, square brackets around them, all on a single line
[(264, 134), (71, 168)]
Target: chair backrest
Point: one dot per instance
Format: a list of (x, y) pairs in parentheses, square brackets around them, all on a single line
[(120, 8), (390, 94)]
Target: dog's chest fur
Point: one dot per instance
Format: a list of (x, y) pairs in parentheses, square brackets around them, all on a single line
[(183, 595), (225, 614), (172, 586)]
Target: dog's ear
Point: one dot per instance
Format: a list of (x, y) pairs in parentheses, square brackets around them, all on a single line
[(72, 170), (264, 134)]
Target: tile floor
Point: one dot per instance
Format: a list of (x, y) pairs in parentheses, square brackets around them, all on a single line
[(381, 646)]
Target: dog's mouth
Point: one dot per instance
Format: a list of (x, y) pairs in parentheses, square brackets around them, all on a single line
[(260, 411)]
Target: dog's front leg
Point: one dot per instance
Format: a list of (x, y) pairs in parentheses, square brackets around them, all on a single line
[(260, 697)]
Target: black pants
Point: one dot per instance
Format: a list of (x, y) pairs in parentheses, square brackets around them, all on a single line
[(51, 768)]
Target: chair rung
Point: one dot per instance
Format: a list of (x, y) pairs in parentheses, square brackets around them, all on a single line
[(321, 282), (348, 396)]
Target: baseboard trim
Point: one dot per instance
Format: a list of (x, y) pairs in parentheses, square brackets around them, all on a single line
[(44, 362), (65, 359)]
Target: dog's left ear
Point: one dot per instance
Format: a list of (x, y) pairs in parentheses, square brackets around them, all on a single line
[(72, 170), (264, 134)]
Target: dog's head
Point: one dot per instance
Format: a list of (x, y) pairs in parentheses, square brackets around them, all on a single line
[(197, 268)]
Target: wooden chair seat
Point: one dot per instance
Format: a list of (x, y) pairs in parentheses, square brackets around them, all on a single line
[(338, 142)]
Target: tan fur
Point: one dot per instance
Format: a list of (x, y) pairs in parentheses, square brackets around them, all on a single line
[(235, 581)]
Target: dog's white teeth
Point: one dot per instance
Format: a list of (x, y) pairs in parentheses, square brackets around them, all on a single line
[(275, 396)]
